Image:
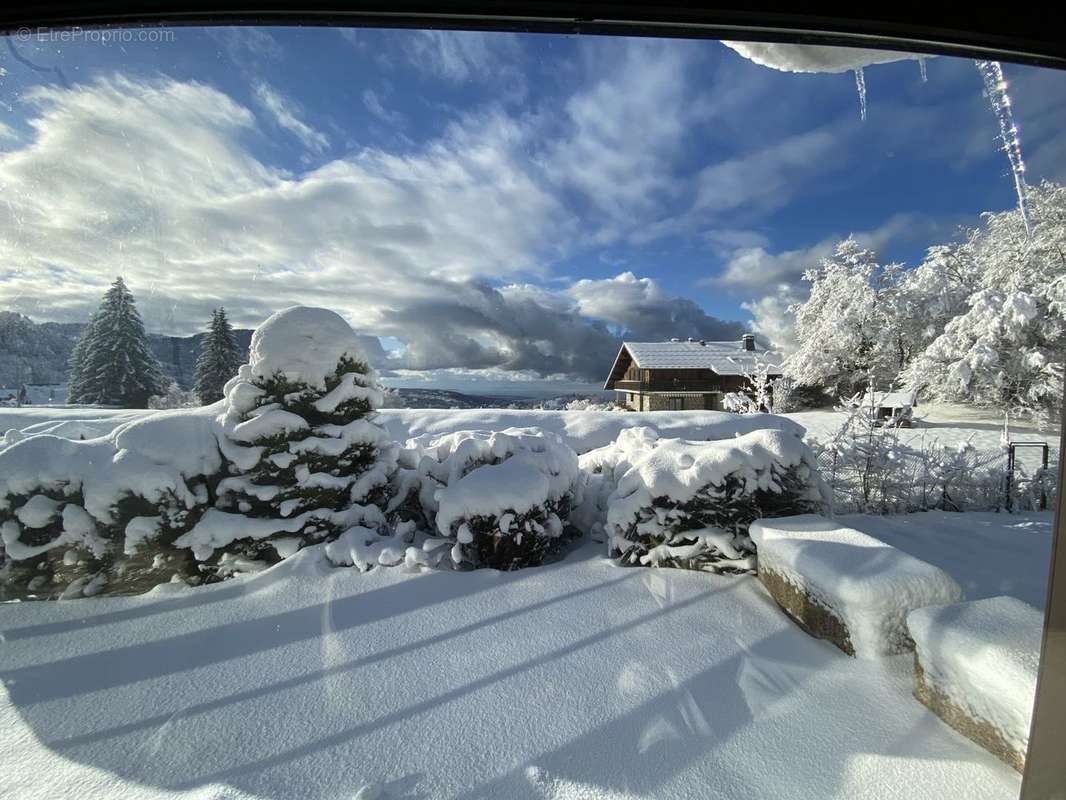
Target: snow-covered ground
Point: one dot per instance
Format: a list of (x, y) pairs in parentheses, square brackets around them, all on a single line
[(987, 554), (575, 680), (586, 430), (943, 422)]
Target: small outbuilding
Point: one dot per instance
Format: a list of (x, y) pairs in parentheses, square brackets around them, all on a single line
[(895, 409)]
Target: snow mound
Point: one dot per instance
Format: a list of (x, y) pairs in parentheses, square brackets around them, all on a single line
[(816, 567), (982, 658), (603, 468), (582, 430), (816, 58), (303, 344), (146, 458), (689, 504), (505, 487)]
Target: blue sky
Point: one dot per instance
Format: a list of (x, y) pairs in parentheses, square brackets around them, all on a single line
[(490, 208)]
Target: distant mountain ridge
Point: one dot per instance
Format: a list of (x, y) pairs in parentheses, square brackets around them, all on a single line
[(39, 352)]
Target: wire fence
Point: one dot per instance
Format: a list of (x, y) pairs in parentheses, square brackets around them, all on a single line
[(897, 479)]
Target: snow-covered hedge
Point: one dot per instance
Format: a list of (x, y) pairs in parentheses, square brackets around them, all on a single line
[(689, 504), (291, 456), (495, 499), (603, 468), (78, 515)]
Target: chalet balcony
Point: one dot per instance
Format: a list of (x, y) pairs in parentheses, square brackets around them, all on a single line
[(668, 386)]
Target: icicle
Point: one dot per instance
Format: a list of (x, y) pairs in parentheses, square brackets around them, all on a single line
[(860, 84), (996, 88), (921, 68)]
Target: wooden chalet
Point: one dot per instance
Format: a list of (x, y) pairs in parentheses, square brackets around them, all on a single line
[(679, 375)]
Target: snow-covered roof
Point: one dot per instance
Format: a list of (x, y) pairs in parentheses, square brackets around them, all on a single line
[(725, 358), (900, 399)]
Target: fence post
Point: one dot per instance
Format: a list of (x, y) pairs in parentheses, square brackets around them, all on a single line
[(1043, 480), (1010, 475)]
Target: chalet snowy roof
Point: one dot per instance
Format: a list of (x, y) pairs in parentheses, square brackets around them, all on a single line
[(725, 358)]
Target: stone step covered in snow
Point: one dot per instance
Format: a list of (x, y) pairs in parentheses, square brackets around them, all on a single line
[(975, 668), (842, 585)]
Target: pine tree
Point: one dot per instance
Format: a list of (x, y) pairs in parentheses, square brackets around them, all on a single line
[(115, 365), (76, 381), (303, 410), (219, 359)]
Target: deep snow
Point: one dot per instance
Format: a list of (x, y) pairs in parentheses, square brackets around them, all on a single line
[(867, 584), (575, 680), (587, 430), (984, 655)]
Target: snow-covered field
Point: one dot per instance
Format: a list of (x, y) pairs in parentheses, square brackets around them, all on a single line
[(575, 680), (583, 430)]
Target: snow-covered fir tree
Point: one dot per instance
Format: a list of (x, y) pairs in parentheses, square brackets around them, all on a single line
[(218, 361), (114, 364), (308, 459), (76, 380)]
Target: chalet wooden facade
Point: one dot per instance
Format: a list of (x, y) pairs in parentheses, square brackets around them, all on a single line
[(679, 375)]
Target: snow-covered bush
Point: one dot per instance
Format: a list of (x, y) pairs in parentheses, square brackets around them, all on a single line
[(603, 468), (174, 397), (496, 499), (292, 456), (870, 471), (307, 458), (81, 517), (689, 504), (576, 403)]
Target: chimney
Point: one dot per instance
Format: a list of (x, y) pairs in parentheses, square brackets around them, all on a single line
[(748, 340)]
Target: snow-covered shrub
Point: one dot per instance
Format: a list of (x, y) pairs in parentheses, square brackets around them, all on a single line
[(689, 504), (495, 499), (291, 456), (603, 468), (82, 517), (307, 458), (870, 471), (174, 397), (570, 403)]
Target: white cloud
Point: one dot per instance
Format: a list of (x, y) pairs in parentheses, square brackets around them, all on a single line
[(373, 104), (623, 134), (164, 192), (641, 307), (283, 113), (468, 56), (769, 178)]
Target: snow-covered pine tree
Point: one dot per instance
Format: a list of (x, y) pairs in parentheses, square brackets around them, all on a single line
[(116, 365), (218, 361), (308, 461), (76, 380)]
